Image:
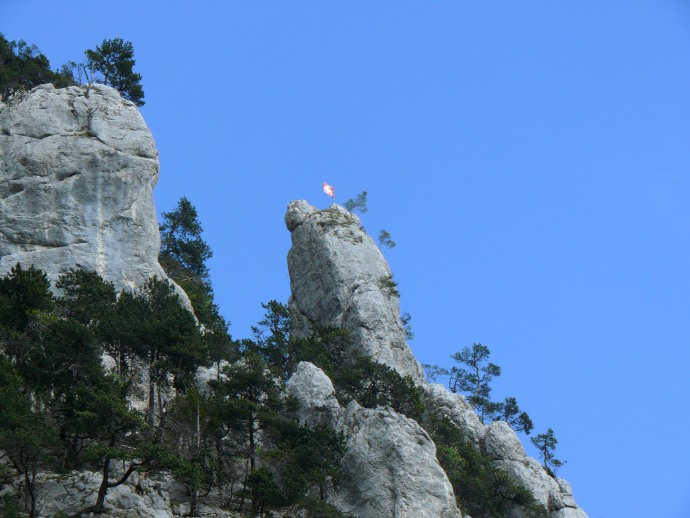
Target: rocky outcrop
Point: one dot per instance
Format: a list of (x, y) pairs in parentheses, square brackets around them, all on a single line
[(77, 170), (390, 466), (142, 496), (315, 394), (500, 443), (338, 277), (455, 408)]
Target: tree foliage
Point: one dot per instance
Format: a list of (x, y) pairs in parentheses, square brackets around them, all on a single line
[(357, 204), (183, 256), (385, 239), (23, 66), (475, 383), (546, 444), (112, 63), (483, 489)]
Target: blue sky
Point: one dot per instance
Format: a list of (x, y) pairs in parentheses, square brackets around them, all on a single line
[(530, 159)]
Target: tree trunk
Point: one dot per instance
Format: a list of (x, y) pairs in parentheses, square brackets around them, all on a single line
[(251, 444), (152, 391), (30, 479), (100, 500)]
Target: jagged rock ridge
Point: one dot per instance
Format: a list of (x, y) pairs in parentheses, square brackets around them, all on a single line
[(390, 466), (334, 271), (77, 171)]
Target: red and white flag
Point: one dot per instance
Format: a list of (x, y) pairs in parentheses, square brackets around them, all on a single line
[(328, 189)]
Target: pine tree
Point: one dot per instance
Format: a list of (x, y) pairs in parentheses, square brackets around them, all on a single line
[(546, 444), (112, 64)]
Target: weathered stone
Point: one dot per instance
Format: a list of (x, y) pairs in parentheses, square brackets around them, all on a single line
[(336, 274), (460, 413), (390, 466), (77, 170), (500, 442), (338, 277), (314, 392), (141, 496)]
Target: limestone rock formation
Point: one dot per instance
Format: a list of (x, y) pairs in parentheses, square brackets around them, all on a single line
[(77, 170), (142, 496), (338, 277), (315, 394), (500, 443), (390, 466), (336, 274), (457, 410)]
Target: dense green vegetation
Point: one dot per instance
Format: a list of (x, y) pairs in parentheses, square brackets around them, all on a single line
[(23, 66), (62, 410), (481, 489)]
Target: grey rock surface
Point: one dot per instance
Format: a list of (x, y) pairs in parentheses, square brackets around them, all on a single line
[(457, 410), (77, 171), (390, 466), (336, 278), (500, 443), (142, 496), (335, 271), (315, 394)]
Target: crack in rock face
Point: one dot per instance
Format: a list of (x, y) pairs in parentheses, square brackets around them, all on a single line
[(77, 171)]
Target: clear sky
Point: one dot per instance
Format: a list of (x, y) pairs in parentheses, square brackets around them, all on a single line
[(530, 159)]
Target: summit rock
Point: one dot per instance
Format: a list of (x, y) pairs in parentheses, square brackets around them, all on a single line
[(339, 278), (77, 171)]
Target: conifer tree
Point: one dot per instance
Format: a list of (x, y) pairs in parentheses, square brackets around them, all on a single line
[(27, 436), (546, 444), (112, 64), (359, 203), (183, 256), (23, 66)]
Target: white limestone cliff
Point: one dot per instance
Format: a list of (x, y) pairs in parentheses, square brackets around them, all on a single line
[(337, 278), (335, 269), (389, 467), (77, 171)]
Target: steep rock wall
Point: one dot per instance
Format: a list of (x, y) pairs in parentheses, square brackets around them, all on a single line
[(337, 278), (77, 171)]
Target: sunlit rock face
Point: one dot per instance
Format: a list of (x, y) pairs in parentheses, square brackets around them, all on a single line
[(390, 466), (338, 277), (336, 273), (77, 171)]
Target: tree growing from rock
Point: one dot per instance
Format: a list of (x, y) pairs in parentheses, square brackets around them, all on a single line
[(357, 204), (385, 239), (112, 64), (183, 256), (407, 327), (23, 66), (546, 444), (475, 382)]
